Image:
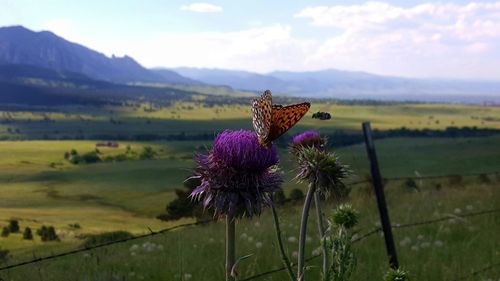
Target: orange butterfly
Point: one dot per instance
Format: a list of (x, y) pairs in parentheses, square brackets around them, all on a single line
[(270, 121)]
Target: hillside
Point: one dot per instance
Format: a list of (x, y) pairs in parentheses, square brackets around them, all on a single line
[(19, 45)]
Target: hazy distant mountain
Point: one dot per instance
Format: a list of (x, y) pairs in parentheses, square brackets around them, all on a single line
[(19, 45), (349, 84), (242, 80)]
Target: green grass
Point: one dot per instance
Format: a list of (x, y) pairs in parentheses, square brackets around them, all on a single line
[(39, 187), (467, 245)]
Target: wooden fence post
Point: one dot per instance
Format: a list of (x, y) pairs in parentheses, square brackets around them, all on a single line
[(379, 193)]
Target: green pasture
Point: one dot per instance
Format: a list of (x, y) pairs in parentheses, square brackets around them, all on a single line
[(128, 195), (196, 117), (442, 251)]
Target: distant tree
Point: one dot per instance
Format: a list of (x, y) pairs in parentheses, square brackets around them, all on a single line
[(13, 226), (73, 152), (27, 235), (5, 231), (66, 155), (48, 233)]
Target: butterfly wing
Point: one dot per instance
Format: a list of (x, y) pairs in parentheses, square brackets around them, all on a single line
[(261, 115), (284, 118)]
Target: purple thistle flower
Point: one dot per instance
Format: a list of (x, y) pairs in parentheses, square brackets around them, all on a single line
[(237, 175), (307, 139)]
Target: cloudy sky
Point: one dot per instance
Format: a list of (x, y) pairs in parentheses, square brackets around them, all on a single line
[(450, 39)]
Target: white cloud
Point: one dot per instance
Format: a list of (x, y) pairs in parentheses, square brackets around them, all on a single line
[(432, 39), (201, 8), (427, 40), (257, 49)]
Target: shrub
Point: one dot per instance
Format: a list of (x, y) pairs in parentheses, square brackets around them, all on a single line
[(147, 153), (483, 178), (106, 237), (48, 233), (90, 157), (5, 231), (296, 194), (411, 184), (396, 275), (74, 225), (27, 235), (13, 226)]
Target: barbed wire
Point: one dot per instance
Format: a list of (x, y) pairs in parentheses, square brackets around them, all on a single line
[(425, 177), (377, 230), (89, 248), (153, 233), (474, 273)]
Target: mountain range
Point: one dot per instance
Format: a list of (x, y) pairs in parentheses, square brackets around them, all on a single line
[(43, 55), (19, 45)]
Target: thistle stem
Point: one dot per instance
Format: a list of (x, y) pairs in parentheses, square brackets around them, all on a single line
[(321, 229), (303, 230), (284, 257), (230, 247)]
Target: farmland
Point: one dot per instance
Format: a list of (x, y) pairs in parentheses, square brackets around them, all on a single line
[(40, 187)]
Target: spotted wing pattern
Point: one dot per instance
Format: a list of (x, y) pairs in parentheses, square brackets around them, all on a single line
[(261, 115), (284, 118)]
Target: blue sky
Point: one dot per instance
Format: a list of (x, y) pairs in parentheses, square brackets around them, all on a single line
[(450, 39)]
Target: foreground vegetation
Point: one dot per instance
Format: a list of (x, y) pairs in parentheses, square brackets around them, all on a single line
[(107, 189), (442, 251)]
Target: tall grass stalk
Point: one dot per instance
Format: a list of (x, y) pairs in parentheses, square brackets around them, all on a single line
[(284, 257), (303, 230), (230, 247), (322, 231)]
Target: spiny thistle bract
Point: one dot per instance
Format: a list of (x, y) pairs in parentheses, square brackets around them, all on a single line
[(345, 215), (396, 275), (324, 168), (307, 139), (238, 176)]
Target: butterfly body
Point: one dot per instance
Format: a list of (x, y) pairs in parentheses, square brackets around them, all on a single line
[(270, 121)]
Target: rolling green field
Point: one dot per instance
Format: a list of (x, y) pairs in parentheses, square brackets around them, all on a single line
[(39, 187), (191, 118)]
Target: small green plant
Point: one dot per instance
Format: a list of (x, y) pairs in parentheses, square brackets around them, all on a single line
[(27, 234), (396, 275), (342, 258)]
